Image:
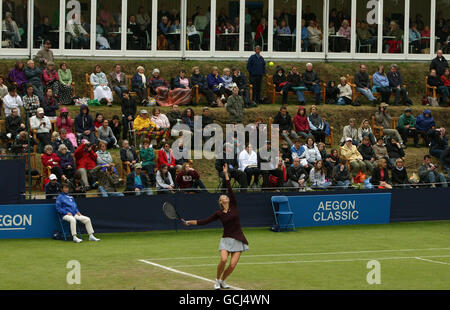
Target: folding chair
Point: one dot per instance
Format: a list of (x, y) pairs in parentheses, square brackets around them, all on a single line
[(65, 227), (284, 217)]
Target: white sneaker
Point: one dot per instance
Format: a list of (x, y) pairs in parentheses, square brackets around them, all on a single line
[(76, 239), (92, 238), (217, 284), (223, 284)]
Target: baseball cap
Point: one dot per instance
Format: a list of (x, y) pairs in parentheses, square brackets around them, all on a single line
[(408, 110), (39, 110), (348, 139), (52, 177), (384, 104), (138, 166), (144, 111)]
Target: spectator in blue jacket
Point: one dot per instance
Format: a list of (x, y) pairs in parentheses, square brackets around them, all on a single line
[(381, 84), (139, 84), (84, 126), (425, 122), (305, 42), (256, 67), (217, 85), (67, 209)]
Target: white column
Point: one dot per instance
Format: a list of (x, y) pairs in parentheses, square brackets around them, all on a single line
[(298, 42), (270, 31), (352, 30), (380, 29), (93, 25), (406, 27), (62, 24), (183, 23), (154, 21), (30, 27), (433, 28), (123, 21), (1, 24), (241, 25), (212, 30), (326, 18)]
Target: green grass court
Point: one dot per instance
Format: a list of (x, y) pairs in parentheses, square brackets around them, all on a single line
[(412, 255)]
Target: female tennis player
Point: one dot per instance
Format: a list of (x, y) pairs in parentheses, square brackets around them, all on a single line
[(233, 240)]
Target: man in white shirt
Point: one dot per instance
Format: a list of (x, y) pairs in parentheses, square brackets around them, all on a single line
[(42, 125), (78, 35), (11, 101), (248, 163)]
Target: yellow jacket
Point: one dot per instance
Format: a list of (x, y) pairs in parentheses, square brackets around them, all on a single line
[(351, 153), (141, 123)]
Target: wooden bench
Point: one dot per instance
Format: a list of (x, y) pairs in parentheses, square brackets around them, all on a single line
[(196, 93), (356, 94), (90, 87), (431, 91), (378, 130), (271, 90)]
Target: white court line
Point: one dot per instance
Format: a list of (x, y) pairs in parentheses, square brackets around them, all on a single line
[(303, 254), (317, 261), (432, 261), (185, 273)]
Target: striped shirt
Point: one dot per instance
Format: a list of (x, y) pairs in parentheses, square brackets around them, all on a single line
[(30, 104)]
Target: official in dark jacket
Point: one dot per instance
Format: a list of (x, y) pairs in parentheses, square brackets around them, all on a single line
[(439, 63), (256, 67)]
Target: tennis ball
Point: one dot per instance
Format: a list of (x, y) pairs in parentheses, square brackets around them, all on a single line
[(271, 63)]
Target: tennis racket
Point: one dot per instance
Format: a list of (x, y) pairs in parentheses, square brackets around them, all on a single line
[(171, 213)]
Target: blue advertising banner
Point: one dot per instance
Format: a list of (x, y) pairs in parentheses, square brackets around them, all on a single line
[(346, 209), (28, 221)]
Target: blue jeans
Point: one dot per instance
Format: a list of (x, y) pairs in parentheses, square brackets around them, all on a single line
[(343, 184), (444, 92), (105, 194), (120, 90), (80, 42), (316, 90), (366, 93), (440, 178), (146, 191), (439, 154), (322, 186), (343, 101)]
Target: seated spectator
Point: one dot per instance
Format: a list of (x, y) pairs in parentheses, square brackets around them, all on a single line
[(188, 180), (50, 79), (14, 124), (367, 153), (62, 139), (64, 121), (345, 32), (317, 176), (137, 182), (198, 79), (446, 78), (380, 149), (207, 119), (438, 82), (380, 175), (106, 134), (76, 186), (286, 154), (116, 126), (98, 122), (235, 106), (350, 153), (34, 76), (181, 94), (414, 38), (345, 93), (30, 101), (66, 162), (160, 88), (312, 153), (103, 156), (51, 161), (394, 45), (425, 122), (366, 130), (286, 126), (22, 145), (428, 174), (298, 151), (383, 118), (84, 125), (242, 83), (315, 36), (381, 84), (137, 39), (164, 181), (11, 31), (162, 129), (50, 104), (399, 175), (77, 35), (166, 157), (330, 161), (108, 180), (42, 125), (312, 82), (341, 175), (294, 83), (233, 167), (248, 163), (193, 35), (362, 82), (147, 156), (52, 188), (275, 170), (139, 84), (17, 77), (396, 84), (188, 118), (174, 116), (438, 145), (67, 209), (144, 127), (350, 131), (332, 92), (316, 125), (118, 81), (407, 127), (128, 155), (297, 175), (301, 123), (279, 80), (217, 86), (227, 81), (11, 101), (99, 82), (85, 160)]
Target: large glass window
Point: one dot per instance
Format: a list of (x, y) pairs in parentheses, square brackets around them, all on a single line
[(227, 25), (256, 24), (366, 26), (46, 23), (78, 29), (339, 28), (139, 26), (419, 27), (108, 29), (312, 17), (443, 26), (284, 26), (393, 26), (169, 27), (15, 24), (198, 30)]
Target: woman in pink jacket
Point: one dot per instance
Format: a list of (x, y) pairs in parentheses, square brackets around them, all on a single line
[(66, 122)]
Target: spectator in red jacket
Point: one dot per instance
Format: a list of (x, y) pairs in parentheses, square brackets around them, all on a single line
[(188, 180), (166, 156), (86, 160), (51, 161), (301, 123)]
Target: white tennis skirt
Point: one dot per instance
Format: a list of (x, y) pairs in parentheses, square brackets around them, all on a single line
[(232, 245)]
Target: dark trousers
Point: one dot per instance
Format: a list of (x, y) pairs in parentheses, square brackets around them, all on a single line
[(399, 92), (405, 133), (275, 172), (238, 175), (255, 172), (256, 81), (150, 168), (385, 93), (208, 94), (245, 93), (126, 123), (319, 135)]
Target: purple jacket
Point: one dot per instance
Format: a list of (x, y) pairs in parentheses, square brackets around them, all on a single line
[(213, 82), (18, 77), (66, 160)]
